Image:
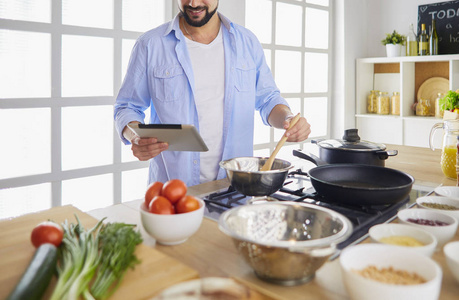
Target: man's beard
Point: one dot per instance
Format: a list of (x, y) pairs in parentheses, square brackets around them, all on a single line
[(204, 20)]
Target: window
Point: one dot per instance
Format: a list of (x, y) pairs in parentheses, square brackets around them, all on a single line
[(295, 36), (62, 65)]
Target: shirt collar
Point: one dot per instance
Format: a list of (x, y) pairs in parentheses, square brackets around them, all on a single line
[(174, 24)]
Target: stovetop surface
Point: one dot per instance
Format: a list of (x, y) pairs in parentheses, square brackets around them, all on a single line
[(298, 187)]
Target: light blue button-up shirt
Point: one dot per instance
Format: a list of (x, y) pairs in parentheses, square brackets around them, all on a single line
[(160, 77)]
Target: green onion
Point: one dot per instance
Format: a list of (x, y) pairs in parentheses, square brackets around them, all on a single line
[(93, 262)]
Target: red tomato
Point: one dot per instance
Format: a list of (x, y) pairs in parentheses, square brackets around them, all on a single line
[(153, 190), (161, 205), (173, 190), (187, 204), (47, 232)]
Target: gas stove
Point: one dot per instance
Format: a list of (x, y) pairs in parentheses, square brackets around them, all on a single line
[(298, 188)]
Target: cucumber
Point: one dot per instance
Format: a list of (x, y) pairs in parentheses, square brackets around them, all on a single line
[(38, 274)]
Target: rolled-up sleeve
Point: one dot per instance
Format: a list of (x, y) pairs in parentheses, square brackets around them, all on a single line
[(134, 96)]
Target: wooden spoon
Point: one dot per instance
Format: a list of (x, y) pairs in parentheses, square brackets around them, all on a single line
[(269, 163)]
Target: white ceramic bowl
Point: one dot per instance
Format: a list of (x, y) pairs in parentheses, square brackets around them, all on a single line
[(440, 200), (383, 256), (443, 233), (448, 191), (380, 231), (451, 251), (172, 229)]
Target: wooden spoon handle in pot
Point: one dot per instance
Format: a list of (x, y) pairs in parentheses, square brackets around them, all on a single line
[(267, 166)]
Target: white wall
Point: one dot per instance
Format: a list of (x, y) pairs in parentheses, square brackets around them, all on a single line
[(360, 25)]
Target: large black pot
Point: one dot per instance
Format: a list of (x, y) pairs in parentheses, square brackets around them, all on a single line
[(349, 150)]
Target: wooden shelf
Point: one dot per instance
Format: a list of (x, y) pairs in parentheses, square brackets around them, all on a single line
[(404, 74)]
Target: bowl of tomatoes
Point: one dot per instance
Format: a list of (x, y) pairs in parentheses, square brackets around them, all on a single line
[(169, 214)]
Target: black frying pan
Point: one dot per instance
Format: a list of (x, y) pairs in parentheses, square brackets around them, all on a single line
[(356, 184)]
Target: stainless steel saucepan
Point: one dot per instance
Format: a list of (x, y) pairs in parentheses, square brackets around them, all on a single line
[(245, 175)]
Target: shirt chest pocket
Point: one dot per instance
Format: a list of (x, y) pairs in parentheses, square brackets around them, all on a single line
[(245, 75), (170, 83)]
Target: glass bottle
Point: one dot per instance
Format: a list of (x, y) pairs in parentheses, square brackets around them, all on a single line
[(449, 146), (423, 107), (411, 42), (383, 103), (372, 102), (438, 111), (423, 41), (395, 104), (457, 161), (433, 41)]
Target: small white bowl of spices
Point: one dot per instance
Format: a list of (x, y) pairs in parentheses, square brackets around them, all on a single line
[(451, 251), (378, 271), (441, 225), (445, 205), (404, 236)]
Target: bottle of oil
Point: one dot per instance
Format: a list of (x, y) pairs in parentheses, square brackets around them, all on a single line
[(411, 42), (433, 41), (423, 41)]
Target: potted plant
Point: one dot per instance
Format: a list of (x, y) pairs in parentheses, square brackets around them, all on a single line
[(394, 42)]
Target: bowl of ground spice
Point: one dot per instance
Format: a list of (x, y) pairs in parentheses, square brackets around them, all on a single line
[(404, 236), (441, 225), (379, 271), (445, 205)]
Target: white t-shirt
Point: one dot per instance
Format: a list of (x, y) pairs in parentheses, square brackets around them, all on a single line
[(209, 74)]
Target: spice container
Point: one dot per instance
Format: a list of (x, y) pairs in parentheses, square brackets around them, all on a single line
[(395, 104), (372, 102), (383, 103), (423, 107), (438, 112)]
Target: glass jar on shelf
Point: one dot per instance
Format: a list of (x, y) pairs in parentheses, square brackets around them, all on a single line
[(395, 104), (383, 107), (423, 107), (372, 102), (438, 111)]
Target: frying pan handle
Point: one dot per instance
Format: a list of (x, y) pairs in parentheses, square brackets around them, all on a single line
[(385, 154), (311, 157)]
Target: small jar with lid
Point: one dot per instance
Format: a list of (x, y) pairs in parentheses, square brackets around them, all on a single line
[(383, 103), (395, 104), (438, 111), (423, 107), (372, 102)]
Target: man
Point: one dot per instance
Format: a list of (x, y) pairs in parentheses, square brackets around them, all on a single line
[(204, 70)]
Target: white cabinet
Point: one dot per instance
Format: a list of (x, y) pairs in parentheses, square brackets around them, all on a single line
[(400, 74)]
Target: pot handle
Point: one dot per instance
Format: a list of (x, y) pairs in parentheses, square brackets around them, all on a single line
[(311, 157), (316, 141), (385, 154)]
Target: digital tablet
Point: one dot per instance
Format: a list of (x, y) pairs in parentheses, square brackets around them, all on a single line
[(179, 137)]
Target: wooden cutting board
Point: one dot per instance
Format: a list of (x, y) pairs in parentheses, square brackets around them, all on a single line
[(156, 271)]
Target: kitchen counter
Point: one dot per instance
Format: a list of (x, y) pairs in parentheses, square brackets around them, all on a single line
[(212, 253)]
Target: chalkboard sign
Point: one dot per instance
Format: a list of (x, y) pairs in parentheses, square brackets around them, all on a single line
[(446, 15)]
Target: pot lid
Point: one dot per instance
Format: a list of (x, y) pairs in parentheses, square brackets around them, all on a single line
[(351, 142)]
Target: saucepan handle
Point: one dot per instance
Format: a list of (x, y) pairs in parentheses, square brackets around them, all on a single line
[(385, 154)]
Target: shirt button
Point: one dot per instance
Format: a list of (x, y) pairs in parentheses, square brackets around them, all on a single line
[(167, 73), (195, 162)]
